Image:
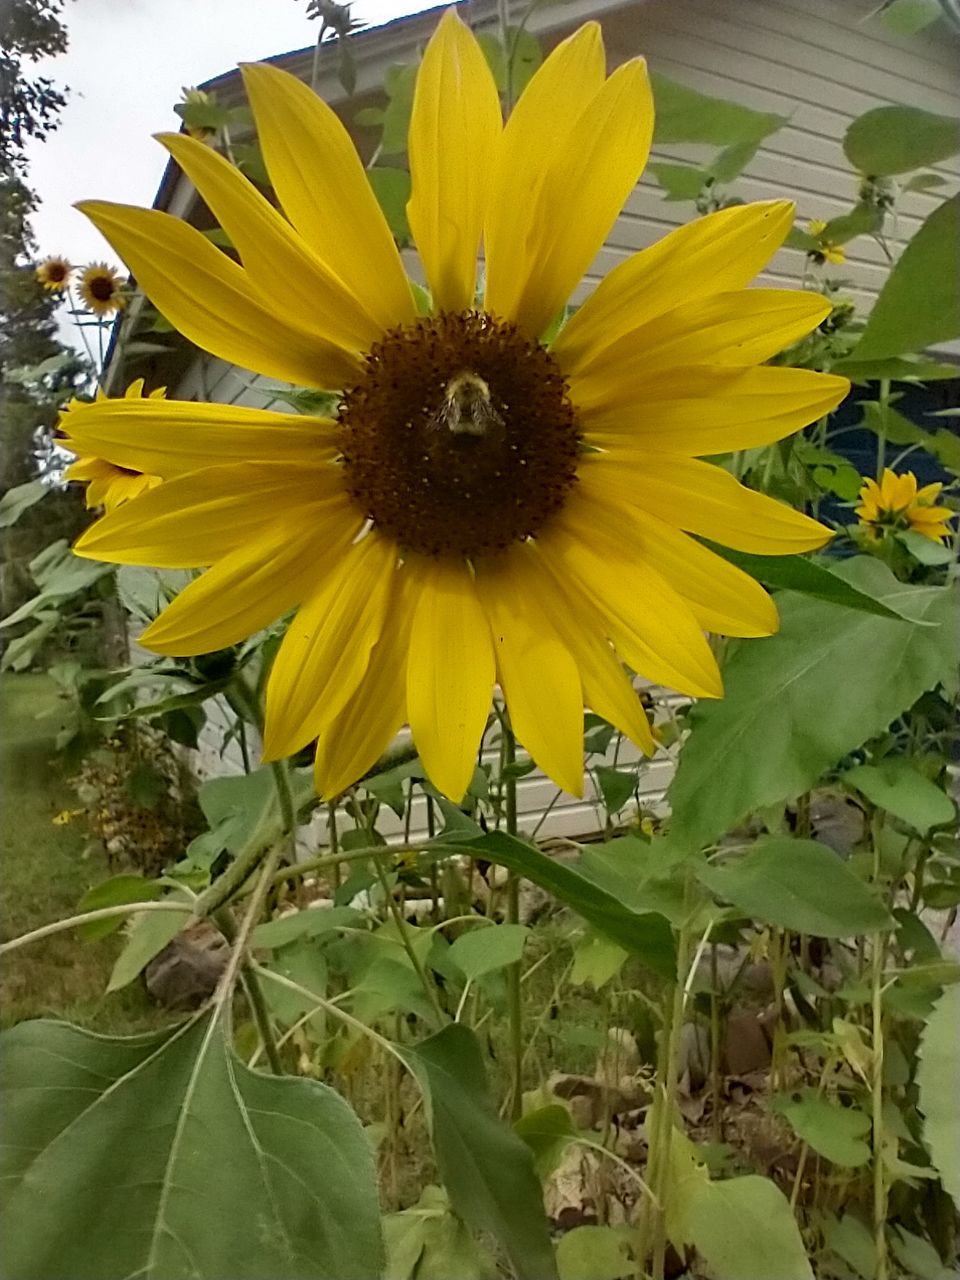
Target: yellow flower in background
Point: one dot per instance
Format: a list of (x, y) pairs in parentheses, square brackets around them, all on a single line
[(101, 289), (108, 485), (826, 250), (485, 505), (54, 273), (897, 503)]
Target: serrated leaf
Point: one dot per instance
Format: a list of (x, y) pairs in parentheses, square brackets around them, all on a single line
[(939, 1098), (486, 1168), (791, 710), (835, 1132), (895, 139), (162, 1156), (895, 785), (799, 885), (487, 949)]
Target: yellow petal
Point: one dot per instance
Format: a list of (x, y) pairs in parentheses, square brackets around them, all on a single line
[(454, 132), (930, 492), (535, 138), (171, 437), (450, 675), (705, 409), (651, 627), (212, 301), (327, 647), (722, 251), (258, 582), (277, 261), (607, 689), (904, 491), (538, 676), (583, 191), (195, 519), (359, 735), (323, 189), (739, 328), (702, 499)]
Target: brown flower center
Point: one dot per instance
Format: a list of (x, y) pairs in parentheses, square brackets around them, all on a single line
[(461, 437), (102, 288)]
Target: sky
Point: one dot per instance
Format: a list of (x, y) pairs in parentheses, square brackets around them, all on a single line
[(127, 63)]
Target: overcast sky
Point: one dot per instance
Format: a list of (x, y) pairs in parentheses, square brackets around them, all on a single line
[(125, 67)]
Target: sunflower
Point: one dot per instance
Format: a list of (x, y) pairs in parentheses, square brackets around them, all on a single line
[(101, 289), (54, 273), (897, 503), (486, 505), (826, 250), (108, 485)]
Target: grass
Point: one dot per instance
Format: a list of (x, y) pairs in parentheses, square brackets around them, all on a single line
[(45, 871)]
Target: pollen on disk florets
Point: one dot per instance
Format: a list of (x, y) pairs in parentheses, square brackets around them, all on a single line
[(460, 438)]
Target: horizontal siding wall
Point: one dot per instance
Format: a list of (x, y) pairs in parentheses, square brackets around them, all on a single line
[(818, 62)]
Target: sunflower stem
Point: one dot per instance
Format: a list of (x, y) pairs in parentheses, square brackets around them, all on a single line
[(254, 994), (884, 401), (428, 988), (877, 960), (514, 994)]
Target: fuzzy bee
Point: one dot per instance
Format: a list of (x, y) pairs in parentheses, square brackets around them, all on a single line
[(467, 408)]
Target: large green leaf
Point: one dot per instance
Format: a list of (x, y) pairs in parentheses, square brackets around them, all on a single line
[(484, 950), (486, 1168), (745, 1230), (897, 139), (19, 499), (163, 1157), (796, 703), (897, 786), (939, 1099), (595, 1253), (920, 303), (683, 115), (644, 932), (799, 885), (836, 1132)]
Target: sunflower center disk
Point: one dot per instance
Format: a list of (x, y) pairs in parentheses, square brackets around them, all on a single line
[(461, 438)]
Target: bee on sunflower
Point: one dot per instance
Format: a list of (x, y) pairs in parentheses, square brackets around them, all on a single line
[(487, 503), (826, 250), (108, 485), (54, 273), (897, 504), (102, 289)]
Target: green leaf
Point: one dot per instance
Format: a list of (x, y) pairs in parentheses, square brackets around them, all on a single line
[(488, 948), (594, 1253), (852, 1240), (814, 578), (918, 1257), (925, 549), (251, 801), (920, 303), (908, 17), (799, 885), (162, 1156), (148, 935), (428, 1242), (20, 499), (835, 1132), (861, 220), (399, 83), (895, 785), (897, 368), (616, 786), (392, 189), (113, 893), (679, 181), (892, 425), (526, 57), (487, 1169), (683, 115), (644, 933), (791, 709), (745, 1230), (547, 1131), (939, 1099), (312, 922), (596, 960), (895, 139)]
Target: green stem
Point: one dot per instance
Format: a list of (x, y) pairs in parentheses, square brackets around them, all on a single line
[(884, 400), (88, 917), (878, 957), (254, 994), (428, 987), (514, 995)]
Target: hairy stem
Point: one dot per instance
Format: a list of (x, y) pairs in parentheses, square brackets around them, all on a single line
[(514, 1000)]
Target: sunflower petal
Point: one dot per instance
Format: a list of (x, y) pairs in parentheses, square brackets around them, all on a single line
[(722, 251), (702, 499), (538, 676), (326, 650), (454, 132), (195, 519), (583, 191), (211, 301), (172, 437), (359, 734), (277, 261), (744, 327), (323, 188), (535, 136), (705, 409), (450, 675), (256, 583)]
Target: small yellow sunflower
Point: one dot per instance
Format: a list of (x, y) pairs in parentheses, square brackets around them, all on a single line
[(486, 505), (101, 289), (826, 250), (897, 503), (108, 485), (54, 273)]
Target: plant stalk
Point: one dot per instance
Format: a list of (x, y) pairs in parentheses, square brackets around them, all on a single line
[(514, 993)]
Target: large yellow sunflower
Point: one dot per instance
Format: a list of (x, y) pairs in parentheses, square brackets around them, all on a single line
[(897, 503), (484, 506), (108, 485)]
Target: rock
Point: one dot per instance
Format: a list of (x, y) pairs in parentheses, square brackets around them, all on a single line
[(694, 1057), (746, 1047), (186, 972)]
